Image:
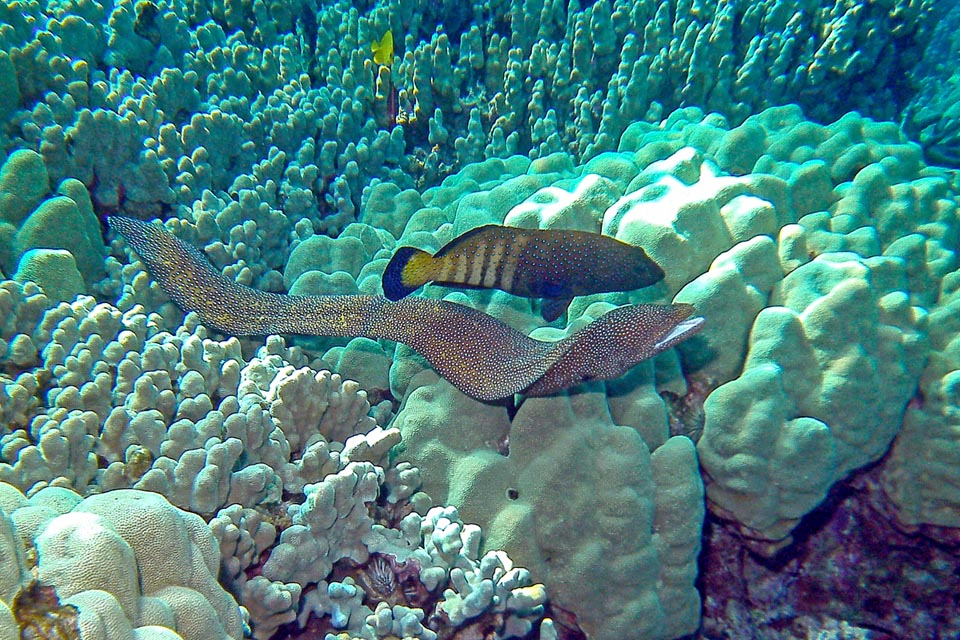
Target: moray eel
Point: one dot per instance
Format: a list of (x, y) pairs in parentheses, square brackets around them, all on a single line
[(478, 354), (534, 263)]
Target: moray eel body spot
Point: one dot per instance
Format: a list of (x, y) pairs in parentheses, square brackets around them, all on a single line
[(535, 263), (480, 355)]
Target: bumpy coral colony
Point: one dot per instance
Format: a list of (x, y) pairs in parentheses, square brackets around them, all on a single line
[(287, 391)]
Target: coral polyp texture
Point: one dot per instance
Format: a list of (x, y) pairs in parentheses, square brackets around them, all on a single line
[(166, 105), (791, 469), (182, 426)]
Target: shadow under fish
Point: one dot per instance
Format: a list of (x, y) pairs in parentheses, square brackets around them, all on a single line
[(477, 353), (552, 264)]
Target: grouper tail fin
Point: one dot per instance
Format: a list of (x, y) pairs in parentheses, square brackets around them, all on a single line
[(408, 270)]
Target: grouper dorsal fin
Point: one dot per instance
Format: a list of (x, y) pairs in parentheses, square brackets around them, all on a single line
[(463, 238)]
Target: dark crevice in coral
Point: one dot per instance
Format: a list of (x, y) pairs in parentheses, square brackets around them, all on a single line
[(849, 566)]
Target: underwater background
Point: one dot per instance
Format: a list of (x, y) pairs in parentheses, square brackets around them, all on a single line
[(791, 471)]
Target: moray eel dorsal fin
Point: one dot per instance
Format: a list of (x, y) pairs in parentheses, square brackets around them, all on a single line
[(480, 355)]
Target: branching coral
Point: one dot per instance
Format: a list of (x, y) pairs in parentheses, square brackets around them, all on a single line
[(280, 108), (130, 405), (185, 416)]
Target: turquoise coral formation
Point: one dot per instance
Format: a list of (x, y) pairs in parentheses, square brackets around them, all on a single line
[(931, 116), (276, 428), (777, 159)]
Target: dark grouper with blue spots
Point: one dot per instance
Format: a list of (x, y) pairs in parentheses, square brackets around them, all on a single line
[(552, 264)]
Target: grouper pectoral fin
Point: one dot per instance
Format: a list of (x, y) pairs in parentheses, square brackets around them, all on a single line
[(553, 308)]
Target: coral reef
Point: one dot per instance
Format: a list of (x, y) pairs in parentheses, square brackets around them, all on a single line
[(931, 117), (579, 500), (34, 222), (825, 249), (129, 405), (797, 458), (126, 562), (248, 116), (816, 588), (822, 249), (280, 458), (841, 289)]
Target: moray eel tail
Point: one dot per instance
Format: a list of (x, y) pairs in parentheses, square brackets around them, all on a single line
[(408, 270), (480, 355)]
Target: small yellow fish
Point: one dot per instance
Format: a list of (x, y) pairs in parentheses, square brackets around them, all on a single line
[(535, 263), (383, 50)]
